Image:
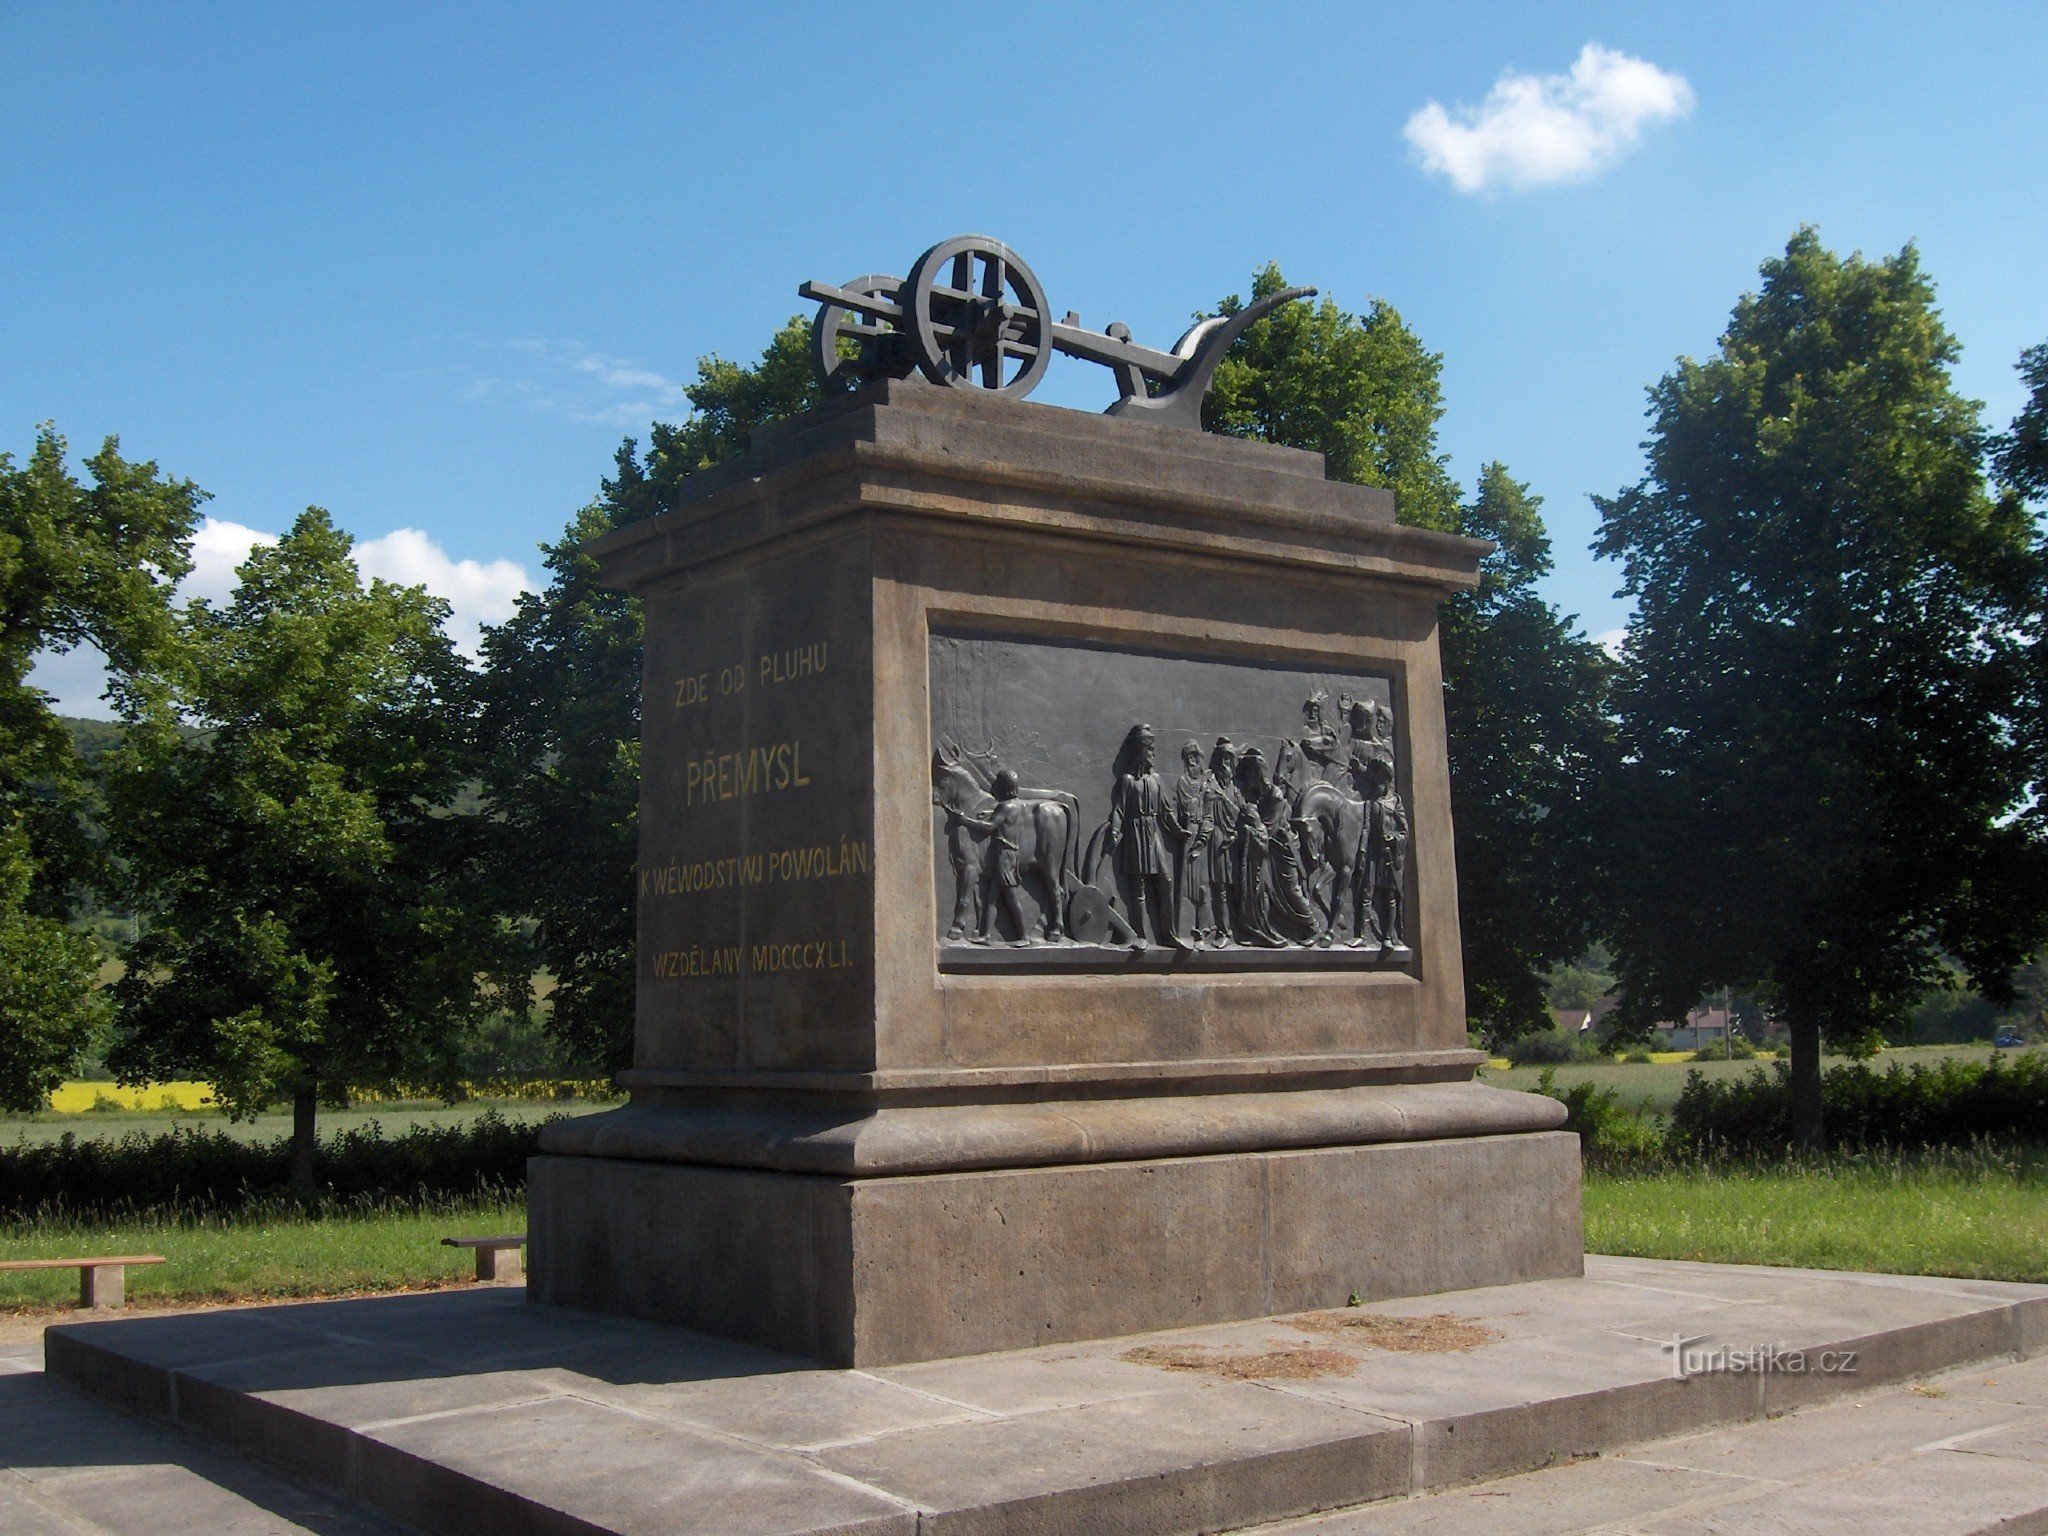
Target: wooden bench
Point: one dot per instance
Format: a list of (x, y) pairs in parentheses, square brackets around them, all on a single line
[(497, 1258), (101, 1282)]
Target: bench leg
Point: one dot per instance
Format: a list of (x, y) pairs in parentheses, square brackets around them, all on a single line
[(102, 1285), (497, 1264)]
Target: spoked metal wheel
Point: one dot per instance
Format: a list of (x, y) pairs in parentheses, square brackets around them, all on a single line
[(876, 347), (977, 316)]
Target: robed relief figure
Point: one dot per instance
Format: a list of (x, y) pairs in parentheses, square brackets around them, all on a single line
[(1137, 812), (1226, 805), (1188, 814), (1383, 860)]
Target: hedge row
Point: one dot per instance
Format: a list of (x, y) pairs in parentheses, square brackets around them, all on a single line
[(191, 1169), (1951, 1103), (591, 1090)]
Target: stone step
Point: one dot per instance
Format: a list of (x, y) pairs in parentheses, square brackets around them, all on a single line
[(1964, 1454), (471, 1411)]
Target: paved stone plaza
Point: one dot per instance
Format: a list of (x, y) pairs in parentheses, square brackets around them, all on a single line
[(472, 1411)]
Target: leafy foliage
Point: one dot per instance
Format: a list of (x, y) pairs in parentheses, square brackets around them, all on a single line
[(558, 720), (1524, 691), (189, 1170), (81, 563), (1361, 390), (1581, 983), (311, 927), (1952, 1103), (51, 1008), (2022, 454), (1524, 706), (2021, 458), (1824, 787), (1607, 1133), (1550, 1047)]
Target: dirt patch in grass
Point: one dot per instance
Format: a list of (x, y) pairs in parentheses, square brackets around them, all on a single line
[(1437, 1333), (1273, 1365)]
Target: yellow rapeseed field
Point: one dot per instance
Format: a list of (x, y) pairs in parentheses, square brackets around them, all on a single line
[(161, 1098), (77, 1098)]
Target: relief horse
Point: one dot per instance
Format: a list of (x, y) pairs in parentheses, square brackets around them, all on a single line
[(1335, 823)]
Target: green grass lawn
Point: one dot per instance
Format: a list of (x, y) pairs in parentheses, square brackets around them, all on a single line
[(1942, 1213), (1978, 1214), (395, 1118), (1653, 1087), (242, 1258)]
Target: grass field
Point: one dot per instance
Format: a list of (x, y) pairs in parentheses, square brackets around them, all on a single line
[(1956, 1213), (1979, 1214), (113, 1124), (1983, 1215), (1653, 1087), (275, 1256)]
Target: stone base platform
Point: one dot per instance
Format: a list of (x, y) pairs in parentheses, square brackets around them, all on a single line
[(884, 1271), (472, 1411)]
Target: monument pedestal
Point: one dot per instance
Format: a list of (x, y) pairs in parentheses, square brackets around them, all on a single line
[(1048, 921), (865, 1271)]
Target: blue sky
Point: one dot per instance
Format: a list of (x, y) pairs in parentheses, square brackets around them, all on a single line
[(425, 266)]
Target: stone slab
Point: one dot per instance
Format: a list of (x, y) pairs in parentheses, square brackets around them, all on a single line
[(473, 1411), (1873, 1463), (886, 1271), (71, 1463)]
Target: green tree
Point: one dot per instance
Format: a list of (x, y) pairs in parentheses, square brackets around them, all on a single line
[(51, 1006), (558, 719), (2022, 454), (1524, 690), (1361, 390), (2021, 459), (313, 922), (1581, 983), (82, 562), (1824, 792), (1525, 698)]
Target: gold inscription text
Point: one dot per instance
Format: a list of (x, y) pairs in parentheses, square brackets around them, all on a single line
[(772, 668), (719, 960), (750, 771), (820, 861)]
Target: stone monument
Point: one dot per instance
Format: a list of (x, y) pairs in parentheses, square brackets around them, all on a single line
[(1048, 926)]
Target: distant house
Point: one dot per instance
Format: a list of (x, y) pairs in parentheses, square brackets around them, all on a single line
[(1580, 1021), (1702, 1027)]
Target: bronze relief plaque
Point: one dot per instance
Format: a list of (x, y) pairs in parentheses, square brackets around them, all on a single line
[(1100, 807)]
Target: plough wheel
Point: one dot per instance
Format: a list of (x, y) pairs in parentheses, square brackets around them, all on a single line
[(977, 316)]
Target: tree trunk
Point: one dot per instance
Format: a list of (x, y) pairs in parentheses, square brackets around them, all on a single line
[(305, 1104), (1807, 1128)]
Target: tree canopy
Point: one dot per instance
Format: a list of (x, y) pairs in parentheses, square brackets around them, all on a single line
[(1525, 696), (82, 562), (1824, 794), (1361, 390), (314, 923)]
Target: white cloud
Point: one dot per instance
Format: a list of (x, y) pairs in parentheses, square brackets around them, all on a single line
[(1611, 641), (566, 378), (1539, 130), (480, 592), (218, 547)]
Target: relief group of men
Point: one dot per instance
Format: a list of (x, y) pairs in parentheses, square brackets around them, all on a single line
[(1227, 842)]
